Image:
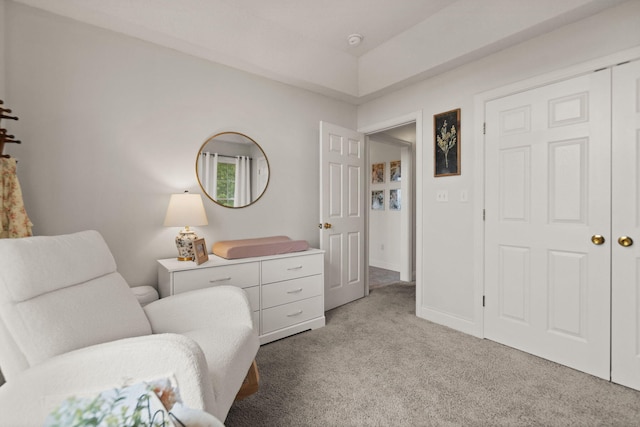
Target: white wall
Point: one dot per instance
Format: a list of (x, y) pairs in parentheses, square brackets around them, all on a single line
[(384, 225), (446, 287), (111, 126)]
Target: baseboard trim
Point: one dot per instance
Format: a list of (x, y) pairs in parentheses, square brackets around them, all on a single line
[(449, 320), (384, 265)]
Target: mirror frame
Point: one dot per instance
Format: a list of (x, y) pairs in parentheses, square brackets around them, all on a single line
[(210, 139)]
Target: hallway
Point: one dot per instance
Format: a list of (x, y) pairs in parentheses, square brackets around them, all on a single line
[(379, 277)]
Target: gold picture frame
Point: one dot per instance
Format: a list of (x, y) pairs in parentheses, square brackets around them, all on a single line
[(446, 143), (200, 253)]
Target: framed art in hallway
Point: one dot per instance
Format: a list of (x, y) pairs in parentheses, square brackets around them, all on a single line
[(377, 200), (395, 171), (377, 173), (446, 143), (395, 202)]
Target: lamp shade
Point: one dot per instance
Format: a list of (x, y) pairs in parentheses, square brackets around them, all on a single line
[(185, 210)]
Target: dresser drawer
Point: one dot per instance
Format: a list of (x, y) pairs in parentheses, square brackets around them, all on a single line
[(276, 270), (289, 314), (241, 275), (291, 290)]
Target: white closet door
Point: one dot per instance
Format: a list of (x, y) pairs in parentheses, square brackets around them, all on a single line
[(548, 172), (625, 334)]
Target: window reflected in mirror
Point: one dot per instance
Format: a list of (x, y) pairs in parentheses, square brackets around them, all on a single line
[(232, 169)]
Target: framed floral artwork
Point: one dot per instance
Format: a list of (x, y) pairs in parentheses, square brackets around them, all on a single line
[(377, 200), (446, 143), (395, 202), (377, 173), (395, 171)]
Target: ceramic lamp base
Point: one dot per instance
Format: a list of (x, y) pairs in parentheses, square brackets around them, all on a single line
[(184, 243)]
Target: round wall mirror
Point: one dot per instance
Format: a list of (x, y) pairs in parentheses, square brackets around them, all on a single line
[(232, 169)]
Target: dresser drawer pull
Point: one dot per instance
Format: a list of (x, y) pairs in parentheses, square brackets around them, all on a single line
[(295, 291), (297, 313), (224, 279), (295, 268)]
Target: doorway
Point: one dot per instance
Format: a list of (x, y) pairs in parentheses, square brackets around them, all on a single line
[(391, 218), (345, 199)]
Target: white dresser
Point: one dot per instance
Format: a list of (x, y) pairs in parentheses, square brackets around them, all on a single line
[(286, 292)]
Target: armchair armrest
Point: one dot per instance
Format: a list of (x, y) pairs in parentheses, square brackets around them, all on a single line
[(200, 308), (29, 397)]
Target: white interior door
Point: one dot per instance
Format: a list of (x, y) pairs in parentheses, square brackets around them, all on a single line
[(342, 204), (548, 172), (625, 333)]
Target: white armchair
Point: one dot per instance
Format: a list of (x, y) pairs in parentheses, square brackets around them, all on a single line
[(70, 325)]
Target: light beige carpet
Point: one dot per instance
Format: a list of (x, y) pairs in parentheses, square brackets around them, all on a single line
[(377, 364)]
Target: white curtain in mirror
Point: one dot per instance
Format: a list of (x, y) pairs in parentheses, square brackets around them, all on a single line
[(209, 172), (242, 195)]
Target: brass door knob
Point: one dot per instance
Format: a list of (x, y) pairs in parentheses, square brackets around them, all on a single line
[(327, 225), (625, 241), (597, 239)]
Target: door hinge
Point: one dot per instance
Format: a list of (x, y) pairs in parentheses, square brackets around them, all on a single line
[(483, 300), (484, 215), (484, 128)]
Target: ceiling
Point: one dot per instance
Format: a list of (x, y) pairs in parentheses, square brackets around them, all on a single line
[(305, 42), (330, 22)]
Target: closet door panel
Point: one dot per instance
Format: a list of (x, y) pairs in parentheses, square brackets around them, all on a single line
[(625, 192), (547, 191)]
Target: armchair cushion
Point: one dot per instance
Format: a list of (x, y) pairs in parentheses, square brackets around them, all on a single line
[(77, 317), (44, 264), (51, 304)]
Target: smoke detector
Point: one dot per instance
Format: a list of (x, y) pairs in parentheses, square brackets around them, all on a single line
[(354, 39)]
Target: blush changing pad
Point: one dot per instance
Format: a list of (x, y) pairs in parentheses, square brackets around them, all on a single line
[(247, 248)]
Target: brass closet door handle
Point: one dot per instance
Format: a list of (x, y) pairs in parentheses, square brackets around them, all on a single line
[(625, 241), (597, 239), (327, 225)]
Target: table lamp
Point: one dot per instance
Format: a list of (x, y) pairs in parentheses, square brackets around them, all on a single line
[(185, 210)]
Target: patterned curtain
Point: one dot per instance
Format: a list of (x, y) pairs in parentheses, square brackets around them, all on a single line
[(14, 221)]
